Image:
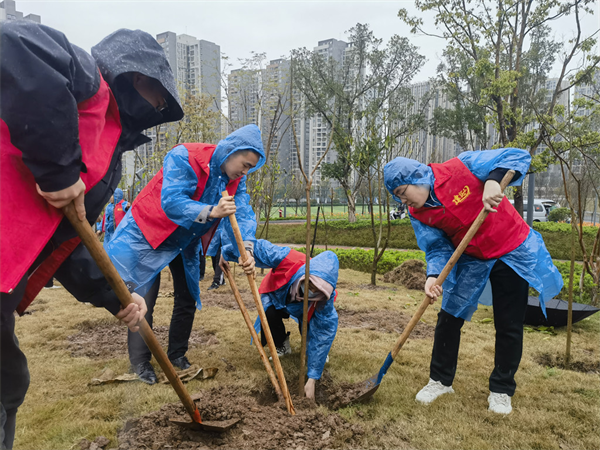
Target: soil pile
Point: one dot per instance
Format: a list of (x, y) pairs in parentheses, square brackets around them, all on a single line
[(383, 321), (411, 274), (106, 340), (263, 425)]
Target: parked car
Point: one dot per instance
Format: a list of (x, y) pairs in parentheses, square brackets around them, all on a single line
[(548, 204), (540, 214)]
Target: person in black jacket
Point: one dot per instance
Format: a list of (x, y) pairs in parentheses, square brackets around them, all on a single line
[(62, 140)]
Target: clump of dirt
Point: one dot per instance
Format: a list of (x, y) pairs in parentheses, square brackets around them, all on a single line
[(337, 395), (411, 274), (98, 444), (106, 340), (384, 321), (591, 366), (262, 425)]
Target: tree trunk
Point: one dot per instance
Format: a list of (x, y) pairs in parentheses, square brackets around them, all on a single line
[(302, 376), (351, 209), (571, 276), (519, 199)]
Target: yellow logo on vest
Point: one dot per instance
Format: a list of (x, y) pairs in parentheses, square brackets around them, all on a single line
[(462, 195)]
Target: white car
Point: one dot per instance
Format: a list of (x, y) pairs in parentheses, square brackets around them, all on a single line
[(540, 214)]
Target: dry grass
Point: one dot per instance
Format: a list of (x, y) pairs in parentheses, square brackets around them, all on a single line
[(554, 409)]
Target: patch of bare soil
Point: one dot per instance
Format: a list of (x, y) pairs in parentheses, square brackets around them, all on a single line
[(106, 340), (590, 366), (384, 321), (334, 395), (223, 297), (411, 274), (263, 425)]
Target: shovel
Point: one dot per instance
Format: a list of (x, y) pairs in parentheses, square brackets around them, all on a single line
[(261, 312), (372, 384), (93, 245)]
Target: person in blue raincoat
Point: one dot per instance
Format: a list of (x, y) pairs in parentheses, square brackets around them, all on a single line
[(110, 215), (282, 297), (176, 213), (444, 200)]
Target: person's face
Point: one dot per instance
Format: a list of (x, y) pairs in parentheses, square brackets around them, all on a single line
[(238, 164), (414, 195), (112, 199), (151, 89)]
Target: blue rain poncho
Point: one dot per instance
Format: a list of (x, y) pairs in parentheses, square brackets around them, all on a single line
[(466, 282), (110, 220), (324, 322), (135, 259)]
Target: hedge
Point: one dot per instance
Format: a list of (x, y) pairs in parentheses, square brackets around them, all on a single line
[(340, 232), (362, 260)]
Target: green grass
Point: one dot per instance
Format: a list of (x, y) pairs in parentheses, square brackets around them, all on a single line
[(553, 408)]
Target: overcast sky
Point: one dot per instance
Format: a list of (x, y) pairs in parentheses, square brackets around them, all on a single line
[(240, 27)]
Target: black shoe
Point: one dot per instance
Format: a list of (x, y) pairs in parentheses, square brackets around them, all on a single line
[(145, 371), (181, 363), (214, 285), (202, 278)]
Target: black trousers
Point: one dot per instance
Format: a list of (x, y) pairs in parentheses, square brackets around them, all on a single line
[(275, 319), (509, 293), (182, 320), (218, 278)]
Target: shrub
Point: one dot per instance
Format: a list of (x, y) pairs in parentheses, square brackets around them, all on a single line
[(559, 214)]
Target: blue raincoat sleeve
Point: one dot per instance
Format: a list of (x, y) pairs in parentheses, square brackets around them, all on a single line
[(179, 184), (268, 255), (436, 245), (482, 163), (109, 222), (246, 221)]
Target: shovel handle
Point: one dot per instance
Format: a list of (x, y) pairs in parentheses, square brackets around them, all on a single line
[(89, 239), (261, 312), (261, 350), (448, 268)]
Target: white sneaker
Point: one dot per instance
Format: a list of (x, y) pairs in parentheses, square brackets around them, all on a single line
[(499, 403), (432, 391), (327, 359)]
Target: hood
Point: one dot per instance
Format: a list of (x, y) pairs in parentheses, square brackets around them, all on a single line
[(246, 138), (118, 195), (401, 171), (325, 266), (137, 51)]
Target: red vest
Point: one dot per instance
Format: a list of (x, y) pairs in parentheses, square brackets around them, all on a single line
[(27, 220), (460, 193), (147, 210), (119, 213), (283, 273)]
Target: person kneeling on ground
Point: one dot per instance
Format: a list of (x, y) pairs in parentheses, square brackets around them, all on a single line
[(444, 200), (176, 213), (282, 296)]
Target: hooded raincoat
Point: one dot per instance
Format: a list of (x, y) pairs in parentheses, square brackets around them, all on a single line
[(324, 322), (139, 263), (57, 104), (466, 282)]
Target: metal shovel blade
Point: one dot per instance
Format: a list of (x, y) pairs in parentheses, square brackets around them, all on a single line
[(215, 426), (370, 385)]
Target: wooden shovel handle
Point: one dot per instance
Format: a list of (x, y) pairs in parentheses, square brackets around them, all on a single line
[(448, 268), (89, 239), (255, 337), (261, 313)]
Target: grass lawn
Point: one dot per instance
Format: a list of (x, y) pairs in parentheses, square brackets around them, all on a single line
[(553, 408)]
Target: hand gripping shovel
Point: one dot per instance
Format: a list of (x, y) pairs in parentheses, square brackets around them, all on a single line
[(372, 384), (104, 263), (261, 312)]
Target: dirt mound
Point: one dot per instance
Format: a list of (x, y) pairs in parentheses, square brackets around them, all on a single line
[(263, 425), (105, 340), (384, 321), (411, 274), (591, 366)]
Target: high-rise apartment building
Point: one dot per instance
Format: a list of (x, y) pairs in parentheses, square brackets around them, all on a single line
[(8, 11), (196, 65)]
